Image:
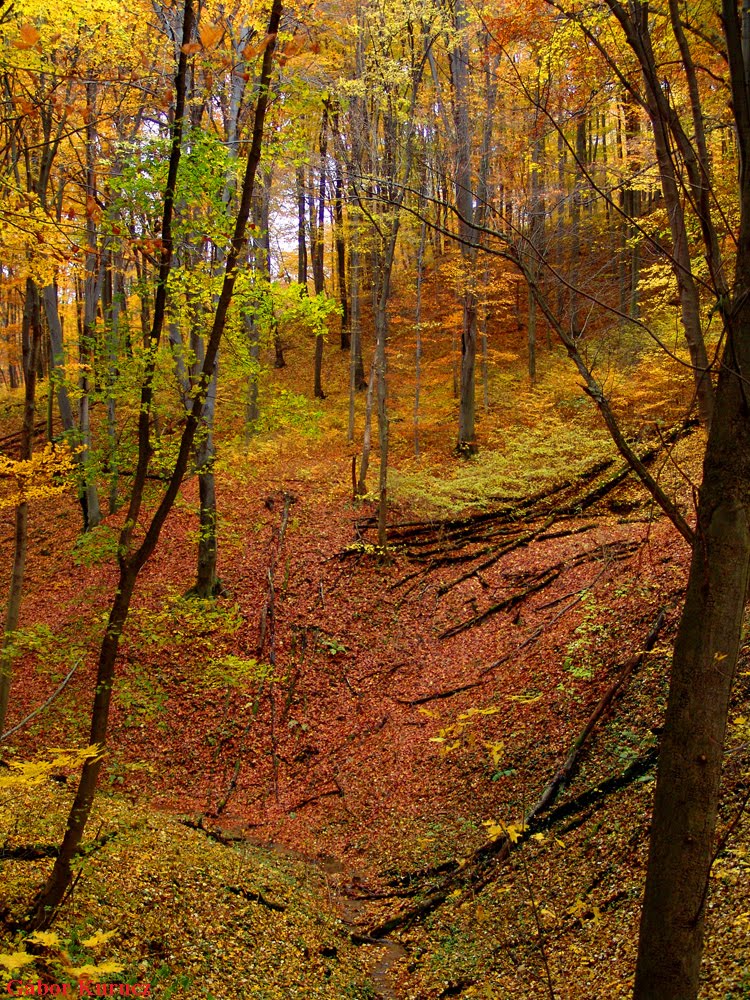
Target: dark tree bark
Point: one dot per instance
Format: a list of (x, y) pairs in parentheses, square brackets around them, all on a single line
[(465, 205), (32, 338), (301, 240), (317, 246), (340, 241), (705, 655)]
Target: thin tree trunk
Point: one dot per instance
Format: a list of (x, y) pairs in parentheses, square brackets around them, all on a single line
[(318, 247), (355, 344), (51, 312), (367, 436), (381, 339), (32, 338), (301, 244), (418, 329), (340, 246), (465, 205), (207, 581), (132, 561), (91, 293)]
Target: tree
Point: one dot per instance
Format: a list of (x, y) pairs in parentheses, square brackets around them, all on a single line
[(705, 654), (132, 554)]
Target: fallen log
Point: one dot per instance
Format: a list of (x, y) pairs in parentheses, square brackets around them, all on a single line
[(481, 865)]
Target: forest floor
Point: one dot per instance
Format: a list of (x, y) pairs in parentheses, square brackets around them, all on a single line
[(359, 741)]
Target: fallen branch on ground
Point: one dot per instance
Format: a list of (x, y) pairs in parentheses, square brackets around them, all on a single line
[(481, 866)]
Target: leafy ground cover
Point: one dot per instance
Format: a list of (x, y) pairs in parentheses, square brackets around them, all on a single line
[(378, 755)]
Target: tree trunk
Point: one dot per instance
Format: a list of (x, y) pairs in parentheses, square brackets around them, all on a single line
[(355, 345), (705, 656), (340, 246), (301, 244), (207, 581), (92, 287), (381, 339), (317, 241), (418, 329), (465, 205), (367, 436), (32, 338), (132, 560), (51, 312)]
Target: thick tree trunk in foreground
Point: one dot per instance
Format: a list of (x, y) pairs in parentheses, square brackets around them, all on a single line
[(705, 656)]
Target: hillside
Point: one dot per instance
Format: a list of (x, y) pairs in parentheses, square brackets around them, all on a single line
[(351, 751)]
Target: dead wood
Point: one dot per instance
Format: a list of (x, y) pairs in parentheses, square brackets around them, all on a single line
[(438, 695), (485, 535), (482, 864), (617, 550), (58, 691), (316, 798), (544, 579), (256, 897)]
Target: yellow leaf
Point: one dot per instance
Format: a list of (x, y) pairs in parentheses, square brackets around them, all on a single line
[(495, 750), (577, 909), (428, 712), (494, 830), (210, 34), (514, 833), (48, 938), (16, 960), (101, 937), (95, 971), (255, 50), (524, 699), (537, 836)]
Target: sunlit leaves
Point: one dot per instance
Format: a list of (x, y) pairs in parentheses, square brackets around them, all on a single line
[(26, 774), (46, 474), (210, 34), (95, 972), (16, 960), (98, 939), (513, 831)]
